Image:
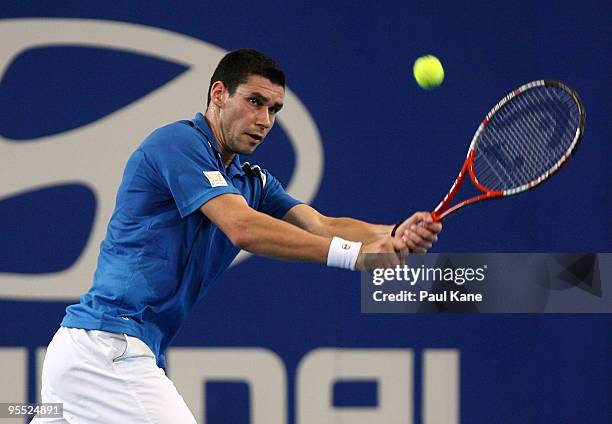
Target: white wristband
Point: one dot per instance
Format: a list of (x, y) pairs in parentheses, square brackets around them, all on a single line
[(343, 253)]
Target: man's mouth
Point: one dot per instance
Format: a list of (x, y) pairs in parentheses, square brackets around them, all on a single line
[(255, 137)]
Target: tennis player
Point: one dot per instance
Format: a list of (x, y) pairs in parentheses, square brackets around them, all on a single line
[(185, 207)]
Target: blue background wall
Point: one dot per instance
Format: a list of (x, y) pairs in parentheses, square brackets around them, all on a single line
[(390, 148)]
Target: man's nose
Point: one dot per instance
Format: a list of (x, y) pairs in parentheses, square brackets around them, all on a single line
[(263, 118)]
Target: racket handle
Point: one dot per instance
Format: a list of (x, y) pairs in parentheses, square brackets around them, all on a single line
[(434, 216)]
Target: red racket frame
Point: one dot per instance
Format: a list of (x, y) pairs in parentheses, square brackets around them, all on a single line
[(468, 168), (442, 210)]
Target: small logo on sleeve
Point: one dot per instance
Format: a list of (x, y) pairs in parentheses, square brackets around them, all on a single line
[(215, 178)]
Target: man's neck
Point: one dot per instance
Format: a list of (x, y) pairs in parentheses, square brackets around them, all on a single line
[(227, 156)]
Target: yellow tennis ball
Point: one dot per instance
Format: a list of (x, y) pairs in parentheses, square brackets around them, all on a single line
[(428, 72)]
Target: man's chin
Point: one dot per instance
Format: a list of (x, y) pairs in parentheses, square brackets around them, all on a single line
[(248, 150)]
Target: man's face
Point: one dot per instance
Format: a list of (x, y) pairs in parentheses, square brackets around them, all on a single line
[(248, 115)]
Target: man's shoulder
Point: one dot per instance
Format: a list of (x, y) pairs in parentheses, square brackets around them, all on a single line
[(176, 130), (179, 135)]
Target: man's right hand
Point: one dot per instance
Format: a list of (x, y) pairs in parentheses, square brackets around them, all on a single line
[(384, 253)]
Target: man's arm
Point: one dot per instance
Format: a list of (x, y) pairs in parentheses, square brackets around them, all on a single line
[(419, 231), (311, 220), (264, 235)]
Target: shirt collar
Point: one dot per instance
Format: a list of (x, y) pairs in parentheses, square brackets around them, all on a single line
[(202, 125)]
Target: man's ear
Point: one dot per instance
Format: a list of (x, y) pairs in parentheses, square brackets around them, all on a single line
[(218, 93)]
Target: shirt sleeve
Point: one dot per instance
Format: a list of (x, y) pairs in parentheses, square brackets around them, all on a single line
[(276, 202), (187, 166)]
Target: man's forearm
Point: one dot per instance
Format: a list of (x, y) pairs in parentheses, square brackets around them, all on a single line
[(354, 229), (418, 231), (263, 235)]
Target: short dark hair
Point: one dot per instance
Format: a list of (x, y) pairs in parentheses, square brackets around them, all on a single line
[(235, 68)]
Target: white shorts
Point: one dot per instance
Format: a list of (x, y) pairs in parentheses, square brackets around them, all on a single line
[(109, 378)]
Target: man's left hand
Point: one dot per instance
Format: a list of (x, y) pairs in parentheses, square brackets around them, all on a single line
[(419, 232)]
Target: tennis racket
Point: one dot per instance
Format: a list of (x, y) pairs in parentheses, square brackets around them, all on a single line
[(521, 143)]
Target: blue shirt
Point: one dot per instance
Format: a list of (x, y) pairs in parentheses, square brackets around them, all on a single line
[(161, 254)]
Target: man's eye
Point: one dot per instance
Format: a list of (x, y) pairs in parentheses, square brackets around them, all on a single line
[(254, 101)]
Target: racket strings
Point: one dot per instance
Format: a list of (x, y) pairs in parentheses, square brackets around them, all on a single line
[(526, 138), (490, 173), (532, 151)]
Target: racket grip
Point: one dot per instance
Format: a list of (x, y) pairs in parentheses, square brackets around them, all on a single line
[(435, 216)]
